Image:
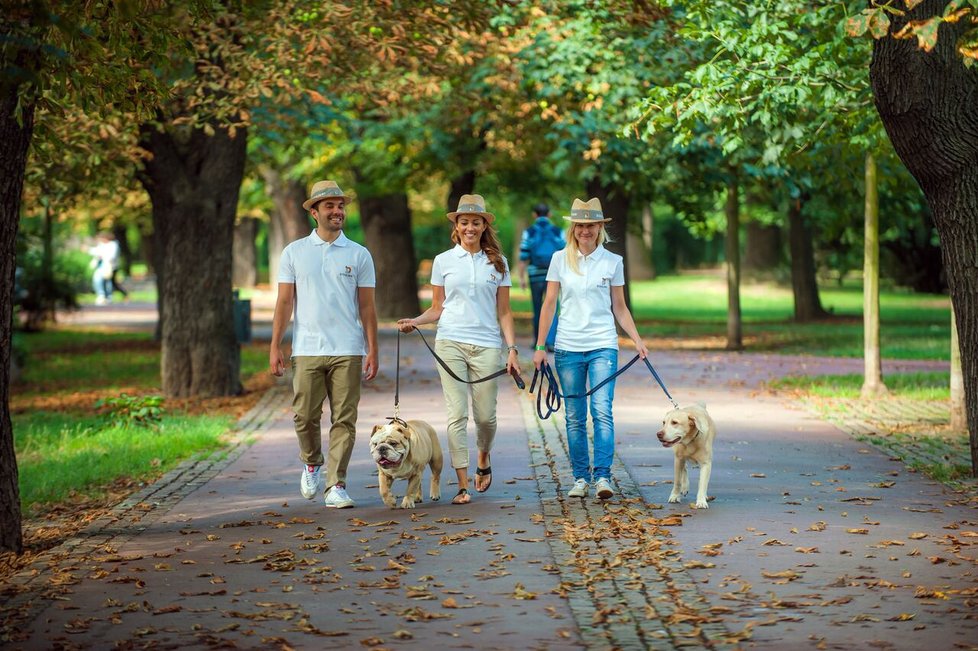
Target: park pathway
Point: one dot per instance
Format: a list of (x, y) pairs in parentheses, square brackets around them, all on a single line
[(813, 540)]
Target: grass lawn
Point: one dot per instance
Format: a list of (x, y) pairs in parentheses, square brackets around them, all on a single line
[(694, 307), (67, 446), (62, 454)]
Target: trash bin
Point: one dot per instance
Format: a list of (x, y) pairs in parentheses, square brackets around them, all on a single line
[(242, 318)]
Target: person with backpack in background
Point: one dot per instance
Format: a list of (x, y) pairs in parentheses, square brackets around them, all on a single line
[(537, 246)]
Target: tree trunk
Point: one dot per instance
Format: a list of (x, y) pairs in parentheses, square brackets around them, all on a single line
[(804, 285), (147, 247), (46, 307), (615, 203), (461, 184), (735, 338), (873, 365), (288, 222), (119, 232), (762, 246), (639, 248), (386, 223), (926, 101), (14, 141), (959, 420), (193, 181), (519, 225), (244, 256)]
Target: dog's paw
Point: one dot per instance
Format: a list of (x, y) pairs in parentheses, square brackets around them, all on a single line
[(407, 503), (702, 504), (434, 498), (675, 497), (390, 501)]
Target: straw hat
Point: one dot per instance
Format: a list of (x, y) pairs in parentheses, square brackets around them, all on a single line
[(588, 212), (472, 204), (324, 190)]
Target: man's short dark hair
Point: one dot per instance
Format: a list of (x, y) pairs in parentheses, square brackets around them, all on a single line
[(541, 209)]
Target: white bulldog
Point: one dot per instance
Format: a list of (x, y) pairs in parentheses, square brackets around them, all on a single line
[(401, 450)]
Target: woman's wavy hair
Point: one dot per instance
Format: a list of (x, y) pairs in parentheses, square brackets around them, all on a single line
[(489, 243)]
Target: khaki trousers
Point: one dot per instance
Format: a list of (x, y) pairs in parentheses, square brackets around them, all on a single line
[(470, 362), (314, 379)]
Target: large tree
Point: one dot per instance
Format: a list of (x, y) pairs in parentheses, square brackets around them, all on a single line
[(52, 54), (927, 98), (768, 82), (190, 74)]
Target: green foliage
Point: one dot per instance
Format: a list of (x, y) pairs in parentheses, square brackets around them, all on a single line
[(875, 21), (133, 411), (39, 291), (768, 79)]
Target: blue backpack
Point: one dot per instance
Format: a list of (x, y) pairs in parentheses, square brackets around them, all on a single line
[(544, 240)]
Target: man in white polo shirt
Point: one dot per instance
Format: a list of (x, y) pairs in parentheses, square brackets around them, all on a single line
[(328, 281)]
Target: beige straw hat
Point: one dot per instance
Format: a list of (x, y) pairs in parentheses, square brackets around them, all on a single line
[(588, 212), (324, 190), (472, 204)]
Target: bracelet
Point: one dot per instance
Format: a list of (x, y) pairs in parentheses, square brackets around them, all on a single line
[(539, 348), (513, 347)]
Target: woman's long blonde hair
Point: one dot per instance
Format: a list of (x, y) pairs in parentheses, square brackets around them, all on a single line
[(571, 248), (489, 243)]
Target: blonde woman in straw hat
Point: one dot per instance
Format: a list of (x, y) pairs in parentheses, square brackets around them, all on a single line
[(328, 281), (589, 280), (470, 303)]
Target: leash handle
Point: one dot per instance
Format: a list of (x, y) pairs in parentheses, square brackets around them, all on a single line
[(397, 380), (549, 399)]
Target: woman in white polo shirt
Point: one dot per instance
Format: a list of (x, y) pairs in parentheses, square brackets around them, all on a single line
[(470, 302), (589, 280)]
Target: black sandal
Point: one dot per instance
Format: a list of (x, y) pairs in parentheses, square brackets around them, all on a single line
[(462, 492), (482, 472)]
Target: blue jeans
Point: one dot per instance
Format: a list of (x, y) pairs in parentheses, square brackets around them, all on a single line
[(537, 291), (101, 286), (577, 371)]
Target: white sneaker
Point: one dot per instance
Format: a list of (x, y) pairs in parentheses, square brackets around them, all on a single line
[(604, 489), (336, 498), (579, 489), (312, 477)]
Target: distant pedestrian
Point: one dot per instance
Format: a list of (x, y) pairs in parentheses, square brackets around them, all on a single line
[(470, 302), (538, 244), (117, 268), (328, 281), (589, 280), (105, 257)]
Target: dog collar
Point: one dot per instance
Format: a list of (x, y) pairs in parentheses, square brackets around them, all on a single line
[(395, 419)]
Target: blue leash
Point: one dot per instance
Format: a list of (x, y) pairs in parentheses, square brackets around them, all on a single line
[(551, 401)]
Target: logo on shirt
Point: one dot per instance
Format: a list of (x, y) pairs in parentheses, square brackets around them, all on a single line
[(605, 282), (492, 278), (347, 272)]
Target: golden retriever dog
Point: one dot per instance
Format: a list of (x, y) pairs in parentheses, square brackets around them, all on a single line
[(401, 450), (689, 431)]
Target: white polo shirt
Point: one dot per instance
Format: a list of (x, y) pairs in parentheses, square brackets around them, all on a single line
[(326, 277), (586, 320), (471, 282)]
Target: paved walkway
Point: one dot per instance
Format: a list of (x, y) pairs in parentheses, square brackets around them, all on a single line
[(814, 540)]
